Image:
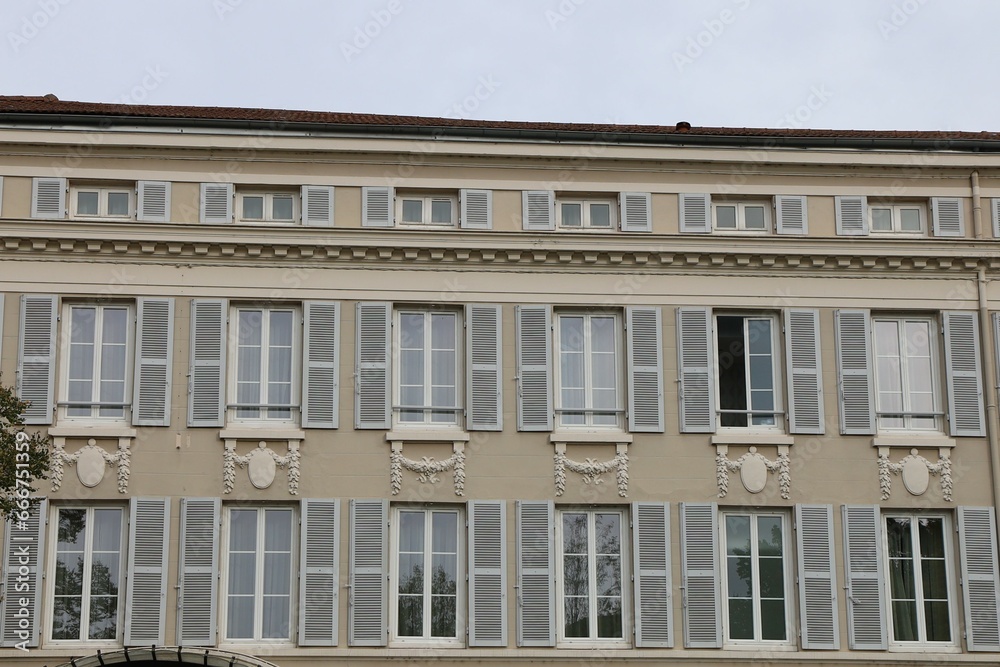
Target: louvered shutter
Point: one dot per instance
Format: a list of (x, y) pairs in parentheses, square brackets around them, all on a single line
[(534, 368), (24, 546), (697, 374), (817, 579), (321, 364), (367, 623), (483, 351), (319, 572), (216, 203), (636, 211), (199, 572), (995, 207), (36, 356), (805, 373), (1, 195), (207, 378), (48, 198), (695, 213), (372, 388), (645, 369), (947, 216), (149, 537), (154, 201), (154, 362), (477, 209), (978, 546), (536, 589), (863, 564), (854, 376), (653, 587), (377, 206), (538, 210), (852, 216), (317, 205), (792, 215), (700, 569), (965, 381), (487, 573)]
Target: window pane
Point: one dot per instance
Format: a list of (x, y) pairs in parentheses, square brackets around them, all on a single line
[(938, 621), (87, 203), (740, 572), (239, 621), (772, 620), (441, 211), (443, 616), (411, 573), (574, 533), (609, 575), (931, 533), (275, 615), (72, 523), (600, 215), (935, 579), (66, 617), (732, 368), (898, 532), (772, 578), (411, 532), (242, 530), (277, 573), (572, 215), (609, 618), (725, 217), (103, 617), (909, 219), (118, 203), (754, 217), (277, 530), (759, 336), (740, 619), (413, 210), (881, 219), (577, 622), (904, 621), (576, 576), (607, 528), (445, 532), (769, 541), (281, 207), (107, 530), (737, 535), (444, 574), (253, 208), (69, 574)]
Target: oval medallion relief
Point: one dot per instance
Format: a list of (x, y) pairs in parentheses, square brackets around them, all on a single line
[(261, 468), (915, 475), (753, 474), (90, 467)]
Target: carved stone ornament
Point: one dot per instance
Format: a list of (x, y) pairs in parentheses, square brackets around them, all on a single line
[(915, 471), (262, 464), (591, 469), (427, 468), (90, 462), (753, 468)]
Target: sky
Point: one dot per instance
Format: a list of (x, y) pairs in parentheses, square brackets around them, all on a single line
[(840, 64)]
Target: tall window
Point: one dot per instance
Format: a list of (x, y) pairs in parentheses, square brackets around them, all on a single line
[(98, 363), (266, 354), (592, 575), (918, 577), (589, 375), (259, 578), (755, 577), (428, 370), (86, 587), (429, 574), (748, 371), (905, 374)]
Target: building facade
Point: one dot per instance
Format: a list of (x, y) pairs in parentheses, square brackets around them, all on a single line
[(331, 387)]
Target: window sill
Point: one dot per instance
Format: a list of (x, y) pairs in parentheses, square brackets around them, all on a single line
[(759, 646), (779, 439), (564, 436), (923, 648), (249, 433), (909, 441), (427, 435), (66, 431)]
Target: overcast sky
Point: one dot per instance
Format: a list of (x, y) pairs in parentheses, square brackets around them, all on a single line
[(844, 64)]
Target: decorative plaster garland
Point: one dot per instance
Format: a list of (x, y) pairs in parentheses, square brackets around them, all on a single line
[(119, 458), (592, 470), (723, 466), (427, 469), (231, 459), (941, 468)]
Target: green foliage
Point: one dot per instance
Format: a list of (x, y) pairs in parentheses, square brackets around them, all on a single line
[(24, 456)]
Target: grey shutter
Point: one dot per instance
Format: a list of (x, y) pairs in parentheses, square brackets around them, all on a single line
[(199, 572), (636, 211), (321, 364), (207, 377), (792, 216), (645, 369), (48, 198), (700, 569), (695, 213), (319, 572), (854, 375), (367, 608), (534, 368), (372, 386), (487, 573), (978, 547), (477, 209), (377, 206), (484, 394), (317, 205), (805, 372), (947, 216), (651, 563), (536, 586), (24, 546), (995, 208), (146, 597), (154, 201), (817, 579), (852, 216), (154, 362), (866, 626), (538, 210), (216, 203), (965, 381), (696, 368), (37, 356)]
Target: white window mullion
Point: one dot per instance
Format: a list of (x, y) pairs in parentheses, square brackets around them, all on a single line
[(88, 567), (592, 572)]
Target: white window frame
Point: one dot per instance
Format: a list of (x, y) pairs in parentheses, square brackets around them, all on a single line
[(949, 560), (787, 563), (461, 589), (64, 365), (778, 397), (397, 366), (102, 200), (50, 586), (268, 217), (588, 410), (586, 224), (427, 199), (258, 576), (626, 579), (935, 385), (895, 208), (262, 420), (741, 220)]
